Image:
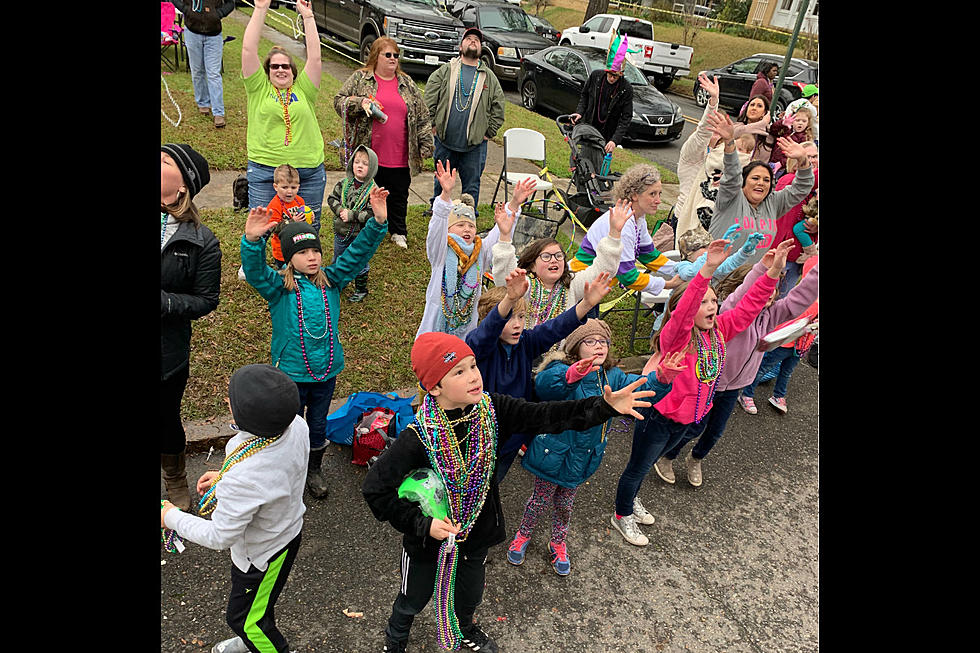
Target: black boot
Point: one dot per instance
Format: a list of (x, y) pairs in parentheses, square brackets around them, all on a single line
[(315, 482), (360, 287)]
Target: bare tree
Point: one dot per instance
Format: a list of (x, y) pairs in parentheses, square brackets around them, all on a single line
[(540, 4), (596, 7)]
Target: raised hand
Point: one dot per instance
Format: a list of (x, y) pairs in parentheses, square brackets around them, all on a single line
[(711, 86), (670, 366), (378, 198), (303, 8), (757, 128), (722, 125), (523, 190), (505, 223), (714, 257), (732, 234), (579, 370), (779, 257), (619, 213), (625, 401), (516, 283), (446, 178), (752, 242), (258, 222), (596, 290), (792, 149)]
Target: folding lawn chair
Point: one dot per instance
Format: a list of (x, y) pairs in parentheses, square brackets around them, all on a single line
[(170, 36)]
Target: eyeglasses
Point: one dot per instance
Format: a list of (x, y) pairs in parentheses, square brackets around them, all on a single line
[(277, 66), (592, 342), (547, 256), (389, 55)]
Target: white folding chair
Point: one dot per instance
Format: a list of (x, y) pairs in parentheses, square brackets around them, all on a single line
[(521, 143)]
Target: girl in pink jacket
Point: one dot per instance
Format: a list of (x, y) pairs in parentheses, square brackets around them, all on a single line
[(691, 325)]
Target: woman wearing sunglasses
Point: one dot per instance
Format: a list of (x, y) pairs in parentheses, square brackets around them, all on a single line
[(381, 107), (282, 125)]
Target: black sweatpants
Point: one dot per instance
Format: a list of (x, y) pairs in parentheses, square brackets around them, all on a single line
[(396, 181), (251, 606), (173, 440), (418, 583)]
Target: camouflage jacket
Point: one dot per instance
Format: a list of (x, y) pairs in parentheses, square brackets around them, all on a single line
[(357, 130)]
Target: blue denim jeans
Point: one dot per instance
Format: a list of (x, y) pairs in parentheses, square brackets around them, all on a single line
[(783, 359), (791, 277), (204, 55), (715, 421), (469, 164), (339, 247), (315, 397), (312, 184), (651, 437)]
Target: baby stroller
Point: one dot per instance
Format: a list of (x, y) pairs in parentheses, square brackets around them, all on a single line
[(593, 191)]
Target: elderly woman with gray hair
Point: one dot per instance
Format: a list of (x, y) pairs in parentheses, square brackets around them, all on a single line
[(641, 187)]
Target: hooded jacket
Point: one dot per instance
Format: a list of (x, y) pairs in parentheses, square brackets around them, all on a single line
[(407, 453), (190, 282), (357, 220), (205, 21), (487, 109)]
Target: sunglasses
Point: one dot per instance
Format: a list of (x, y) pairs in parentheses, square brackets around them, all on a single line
[(389, 55), (547, 256), (277, 66)]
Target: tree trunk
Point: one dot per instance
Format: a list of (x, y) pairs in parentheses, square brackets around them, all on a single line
[(596, 7)]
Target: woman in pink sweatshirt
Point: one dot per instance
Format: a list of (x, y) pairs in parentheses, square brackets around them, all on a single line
[(693, 325), (742, 360)]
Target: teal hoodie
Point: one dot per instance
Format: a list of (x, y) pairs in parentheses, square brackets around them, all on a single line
[(287, 354)]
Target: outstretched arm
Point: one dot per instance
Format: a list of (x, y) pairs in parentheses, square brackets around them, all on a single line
[(250, 40), (313, 63)]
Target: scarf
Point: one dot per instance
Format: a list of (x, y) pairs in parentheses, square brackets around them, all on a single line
[(461, 280)]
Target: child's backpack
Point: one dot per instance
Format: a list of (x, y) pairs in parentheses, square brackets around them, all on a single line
[(371, 436), (239, 191)]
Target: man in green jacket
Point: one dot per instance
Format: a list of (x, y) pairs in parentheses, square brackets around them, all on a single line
[(466, 103)]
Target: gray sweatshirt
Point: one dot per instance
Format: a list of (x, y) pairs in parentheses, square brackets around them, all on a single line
[(731, 207), (260, 501)]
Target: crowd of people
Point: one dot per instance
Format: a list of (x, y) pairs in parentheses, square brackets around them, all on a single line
[(521, 369)]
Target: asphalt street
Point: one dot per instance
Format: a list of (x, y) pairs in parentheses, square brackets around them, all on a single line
[(732, 566)]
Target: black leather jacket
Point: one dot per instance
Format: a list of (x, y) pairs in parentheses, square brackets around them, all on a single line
[(617, 106), (190, 281)]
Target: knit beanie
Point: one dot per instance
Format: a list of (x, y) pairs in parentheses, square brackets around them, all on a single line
[(296, 236), (434, 354), (462, 210), (193, 166), (693, 240), (264, 401), (592, 329)]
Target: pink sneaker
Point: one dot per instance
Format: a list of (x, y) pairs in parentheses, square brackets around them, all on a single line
[(779, 403), (748, 405)]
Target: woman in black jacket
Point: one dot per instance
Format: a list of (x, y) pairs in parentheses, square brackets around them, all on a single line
[(607, 104), (190, 279)]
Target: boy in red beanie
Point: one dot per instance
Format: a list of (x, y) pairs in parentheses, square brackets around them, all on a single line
[(456, 432)]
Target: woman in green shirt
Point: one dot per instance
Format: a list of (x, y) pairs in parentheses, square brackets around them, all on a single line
[(282, 124)]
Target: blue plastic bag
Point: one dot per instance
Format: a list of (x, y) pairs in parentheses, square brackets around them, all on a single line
[(341, 422)]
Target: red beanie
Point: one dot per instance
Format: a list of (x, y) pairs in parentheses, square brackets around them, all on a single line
[(434, 354)]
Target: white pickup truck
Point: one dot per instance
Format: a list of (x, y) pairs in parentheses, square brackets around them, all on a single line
[(658, 59)]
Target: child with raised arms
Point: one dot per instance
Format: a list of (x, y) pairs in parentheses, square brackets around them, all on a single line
[(304, 304), (456, 433)]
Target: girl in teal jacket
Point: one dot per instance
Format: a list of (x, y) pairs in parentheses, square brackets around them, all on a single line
[(562, 461), (304, 303)]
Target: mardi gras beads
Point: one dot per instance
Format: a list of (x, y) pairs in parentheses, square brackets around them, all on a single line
[(710, 362), (247, 448), (171, 541), (545, 309), (302, 329)]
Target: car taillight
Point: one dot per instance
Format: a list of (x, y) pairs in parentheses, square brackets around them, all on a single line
[(558, 35)]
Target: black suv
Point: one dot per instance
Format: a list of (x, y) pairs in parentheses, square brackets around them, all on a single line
[(426, 34), (508, 33), (735, 81)]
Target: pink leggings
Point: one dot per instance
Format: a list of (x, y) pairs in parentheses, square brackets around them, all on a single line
[(546, 493)]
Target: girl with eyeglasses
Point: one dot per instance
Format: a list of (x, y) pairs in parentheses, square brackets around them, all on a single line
[(401, 137), (561, 462), (282, 124), (693, 327)]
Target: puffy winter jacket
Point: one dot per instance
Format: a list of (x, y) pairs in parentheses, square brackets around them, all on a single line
[(206, 20), (190, 281)]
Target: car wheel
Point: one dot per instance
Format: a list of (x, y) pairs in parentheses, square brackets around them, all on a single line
[(700, 95), (781, 103), (565, 42), (662, 83), (366, 46), (488, 60), (529, 95)]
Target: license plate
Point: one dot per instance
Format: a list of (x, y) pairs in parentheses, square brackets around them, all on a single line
[(432, 59), (668, 70), (660, 131)]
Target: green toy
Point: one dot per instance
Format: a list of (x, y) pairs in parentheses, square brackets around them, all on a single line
[(424, 487)]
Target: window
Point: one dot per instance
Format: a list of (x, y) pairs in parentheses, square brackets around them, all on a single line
[(605, 25), (636, 29), (746, 65), (469, 16), (575, 66), (505, 18), (786, 5), (556, 58), (593, 24)]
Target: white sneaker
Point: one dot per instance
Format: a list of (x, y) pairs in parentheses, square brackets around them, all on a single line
[(241, 273), (629, 530), (641, 514), (400, 240), (233, 645)]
